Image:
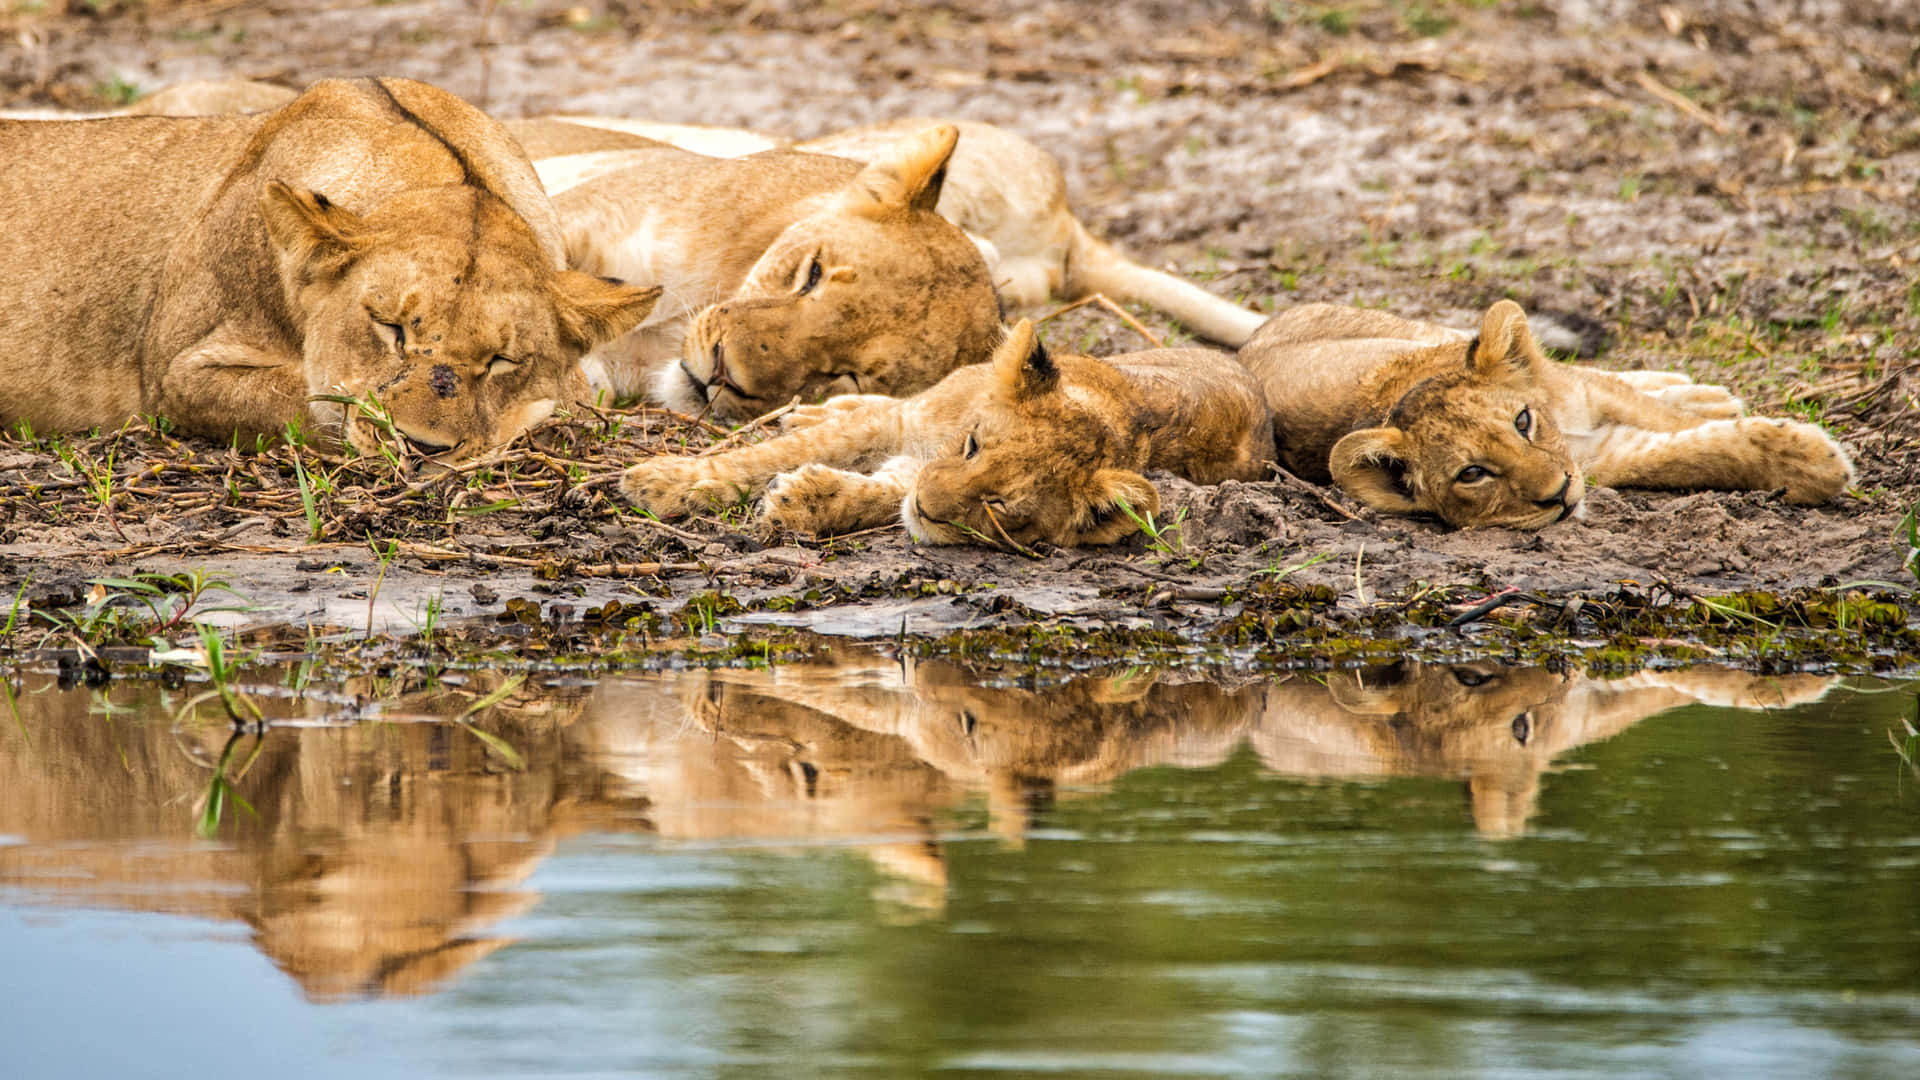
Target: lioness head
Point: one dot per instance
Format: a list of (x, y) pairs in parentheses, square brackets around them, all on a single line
[(1477, 446), (1050, 457), (440, 306), (872, 293)]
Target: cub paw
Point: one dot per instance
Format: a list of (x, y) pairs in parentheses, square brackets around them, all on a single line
[(1652, 382), (808, 500), (802, 417), (1701, 399), (674, 487), (1804, 459)]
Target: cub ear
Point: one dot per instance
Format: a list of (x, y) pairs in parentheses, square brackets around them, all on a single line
[(1105, 520), (1022, 367), (595, 310), (309, 232), (1505, 350), (907, 175), (1371, 465)]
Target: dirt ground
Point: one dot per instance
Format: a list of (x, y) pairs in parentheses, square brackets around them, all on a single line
[(1731, 187)]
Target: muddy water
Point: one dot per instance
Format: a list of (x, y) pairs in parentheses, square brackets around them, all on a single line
[(887, 869)]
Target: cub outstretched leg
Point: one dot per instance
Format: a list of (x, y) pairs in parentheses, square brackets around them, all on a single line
[(858, 438), (1748, 454), (825, 501)]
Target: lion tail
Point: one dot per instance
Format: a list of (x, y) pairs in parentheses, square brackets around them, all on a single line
[(1096, 267)]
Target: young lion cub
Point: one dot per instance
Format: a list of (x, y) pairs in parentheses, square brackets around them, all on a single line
[(1028, 448), (1410, 417)]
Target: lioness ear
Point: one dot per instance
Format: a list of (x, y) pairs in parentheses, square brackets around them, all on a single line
[(1505, 348), (594, 310), (908, 174), (1371, 465), (1106, 521), (1022, 366), (308, 231)]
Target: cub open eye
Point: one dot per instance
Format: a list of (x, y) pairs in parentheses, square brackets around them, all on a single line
[(813, 275), (500, 365), (1469, 678), (1472, 474), (1522, 728), (970, 447), (1524, 423)]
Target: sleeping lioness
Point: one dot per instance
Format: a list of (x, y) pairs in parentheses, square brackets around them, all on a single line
[(1011, 198), (1030, 448), (374, 238), (1410, 417), (786, 274)]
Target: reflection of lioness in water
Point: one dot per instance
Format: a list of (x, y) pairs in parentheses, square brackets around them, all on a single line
[(1030, 448), (1410, 417), (374, 237)]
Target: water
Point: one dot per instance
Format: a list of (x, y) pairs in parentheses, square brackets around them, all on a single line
[(886, 870)]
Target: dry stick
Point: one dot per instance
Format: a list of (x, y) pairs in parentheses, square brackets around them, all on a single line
[(1101, 299), (1679, 101)]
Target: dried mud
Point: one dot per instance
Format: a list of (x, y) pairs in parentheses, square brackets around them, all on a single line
[(1728, 187)]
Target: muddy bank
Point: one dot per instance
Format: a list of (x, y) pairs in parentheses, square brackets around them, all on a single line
[(1728, 188)]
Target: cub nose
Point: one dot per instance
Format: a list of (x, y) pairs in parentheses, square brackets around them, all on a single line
[(1559, 497)]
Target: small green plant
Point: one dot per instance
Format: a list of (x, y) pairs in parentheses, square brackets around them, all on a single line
[(386, 560), (1168, 539), (1906, 541), (1277, 572)]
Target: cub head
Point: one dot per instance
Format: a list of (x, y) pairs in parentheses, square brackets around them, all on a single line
[(440, 305), (872, 293), (1477, 446), (1051, 456)]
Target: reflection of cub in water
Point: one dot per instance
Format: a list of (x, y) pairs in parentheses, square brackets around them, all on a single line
[(1499, 727), (812, 750), (375, 855)]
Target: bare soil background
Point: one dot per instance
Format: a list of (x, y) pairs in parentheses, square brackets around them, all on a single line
[(1731, 187)]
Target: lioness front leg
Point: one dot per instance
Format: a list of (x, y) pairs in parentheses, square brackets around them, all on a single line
[(222, 387), (826, 501), (670, 486), (1750, 454)]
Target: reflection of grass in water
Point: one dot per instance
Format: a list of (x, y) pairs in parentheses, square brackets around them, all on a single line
[(494, 742), (221, 789), (1909, 750)]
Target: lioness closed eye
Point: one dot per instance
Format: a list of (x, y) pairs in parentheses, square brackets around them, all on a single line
[(1031, 447), (1411, 417), (374, 239)]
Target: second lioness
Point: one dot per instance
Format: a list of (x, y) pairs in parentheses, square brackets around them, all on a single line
[(1411, 417), (786, 274), (1029, 448)]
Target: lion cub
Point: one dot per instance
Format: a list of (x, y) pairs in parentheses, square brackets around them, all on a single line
[(786, 274), (1029, 448), (1411, 417)]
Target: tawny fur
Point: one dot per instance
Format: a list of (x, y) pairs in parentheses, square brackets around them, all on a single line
[(786, 274), (1400, 415), (1026, 449), (376, 237), (1011, 197)]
